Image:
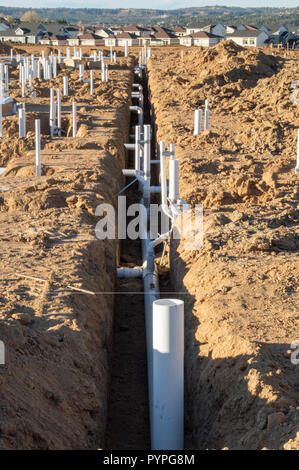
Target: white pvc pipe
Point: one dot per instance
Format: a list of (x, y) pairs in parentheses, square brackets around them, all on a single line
[(197, 121), (74, 118), (81, 72), (297, 166), (6, 80), (59, 111), (126, 49), (207, 112), (23, 83), (137, 147), (37, 147), (38, 69), (173, 179), (68, 52), (65, 86), (52, 112), (22, 122), (91, 82), (167, 414)]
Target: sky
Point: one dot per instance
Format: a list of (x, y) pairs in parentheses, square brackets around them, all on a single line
[(159, 4)]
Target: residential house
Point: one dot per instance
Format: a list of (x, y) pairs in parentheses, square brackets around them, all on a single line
[(121, 39), (162, 36), (90, 39), (276, 30), (248, 38), (179, 31), (216, 29), (104, 32), (201, 38)]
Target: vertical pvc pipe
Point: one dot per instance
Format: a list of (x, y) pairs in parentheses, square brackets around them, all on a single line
[(37, 147), (137, 147), (91, 82), (54, 64), (297, 166), (30, 83), (74, 118), (68, 52), (23, 81), (59, 56), (167, 414), (173, 179), (38, 69), (106, 73), (6, 80), (126, 49), (65, 86), (22, 122), (52, 112), (207, 112), (74, 52), (197, 121), (111, 54), (81, 72), (59, 111), (80, 53)]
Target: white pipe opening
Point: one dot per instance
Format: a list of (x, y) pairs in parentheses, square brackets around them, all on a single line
[(167, 424)]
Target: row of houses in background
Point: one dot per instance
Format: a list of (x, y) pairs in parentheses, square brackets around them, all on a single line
[(207, 36)]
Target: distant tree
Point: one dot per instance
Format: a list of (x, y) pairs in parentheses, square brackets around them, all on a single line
[(31, 16)]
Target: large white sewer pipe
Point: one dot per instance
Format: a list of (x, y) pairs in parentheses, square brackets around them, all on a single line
[(168, 375)]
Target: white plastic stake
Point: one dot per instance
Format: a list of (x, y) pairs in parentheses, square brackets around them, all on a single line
[(65, 86), (197, 121), (167, 413), (74, 118), (37, 147)]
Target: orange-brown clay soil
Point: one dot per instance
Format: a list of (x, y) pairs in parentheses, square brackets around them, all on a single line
[(55, 318), (241, 288)]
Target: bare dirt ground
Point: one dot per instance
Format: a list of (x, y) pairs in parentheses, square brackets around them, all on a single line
[(241, 288), (54, 319)]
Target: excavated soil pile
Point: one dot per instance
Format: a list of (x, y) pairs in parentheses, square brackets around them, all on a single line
[(56, 307), (240, 288)]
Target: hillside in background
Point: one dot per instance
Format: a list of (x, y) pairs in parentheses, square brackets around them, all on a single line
[(183, 16)]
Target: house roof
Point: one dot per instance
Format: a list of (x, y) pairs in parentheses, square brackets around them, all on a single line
[(89, 36), (250, 27), (179, 29), (132, 28), (204, 34), (245, 34), (125, 35)]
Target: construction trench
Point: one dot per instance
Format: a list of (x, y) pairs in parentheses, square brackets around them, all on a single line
[(69, 311)]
